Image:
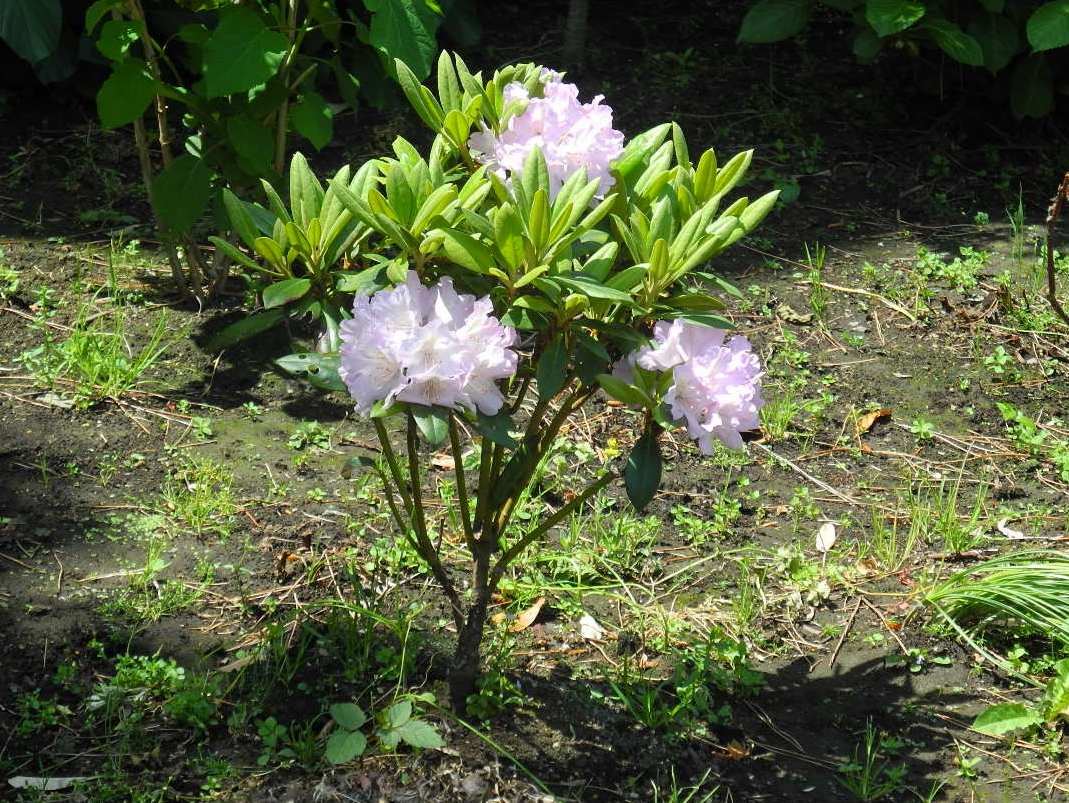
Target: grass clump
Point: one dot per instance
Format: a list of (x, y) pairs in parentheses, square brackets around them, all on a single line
[(1024, 592)]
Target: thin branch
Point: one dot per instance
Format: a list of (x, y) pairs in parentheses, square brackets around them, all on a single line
[(514, 551), (462, 485), (391, 461), (1052, 218)]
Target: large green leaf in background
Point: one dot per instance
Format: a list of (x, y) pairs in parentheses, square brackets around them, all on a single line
[(126, 94), (889, 17), (1048, 27), (998, 38), (313, 119), (954, 41), (181, 192), (1032, 89), (31, 27), (404, 29), (241, 54), (774, 20)]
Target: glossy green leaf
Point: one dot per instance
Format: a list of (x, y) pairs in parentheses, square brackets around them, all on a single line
[(495, 428), (642, 474), (245, 328), (318, 369), (433, 424), (552, 368), (280, 293), (464, 250), (623, 392)]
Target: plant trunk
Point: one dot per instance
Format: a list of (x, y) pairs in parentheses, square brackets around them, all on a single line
[(464, 673)]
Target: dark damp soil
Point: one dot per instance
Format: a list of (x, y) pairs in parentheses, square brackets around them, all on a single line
[(882, 166)]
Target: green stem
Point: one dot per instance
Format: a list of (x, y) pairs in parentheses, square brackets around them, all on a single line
[(482, 500), (514, 551), (391, 461), (419, 521), (462, 486)]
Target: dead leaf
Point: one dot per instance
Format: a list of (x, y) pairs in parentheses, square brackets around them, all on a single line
[(826, 537), (1009, 532), (590, 629), (237, 663), (866, 567), (790, 315), (736, 750), (443, 461), (44, 784), (524, 619), (866, 422)]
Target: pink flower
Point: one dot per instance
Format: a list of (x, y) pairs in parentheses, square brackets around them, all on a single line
[(570, 134), (716, 387), (426, 345)]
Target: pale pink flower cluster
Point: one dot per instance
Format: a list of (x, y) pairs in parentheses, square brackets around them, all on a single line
[(716, 388), (426, 345), (571, 135)]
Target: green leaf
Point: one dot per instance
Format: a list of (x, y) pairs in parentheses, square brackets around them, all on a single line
[(245, 328), (1032, 87), (892, 16), (1048, 27), (398, 714), (464, 250), (866, 45), (314, 120), (280, 293), (756, 212), (404, 29), (994, 6), (1056, 697), (592, 288), (96, 13), (420, 733), (116, 37), (181, 192), (349, 715), (125, 95), (954, 41), (31, 27), (343, 746), (552, 368), (495, 428), (508, 236), (998, 720), (251, 140), (622, 391), (235, 254), (319, 370), (705, 319), (240, 218), (241, 54), (998, 37), (642, 474), (433, 424), (774, 20)]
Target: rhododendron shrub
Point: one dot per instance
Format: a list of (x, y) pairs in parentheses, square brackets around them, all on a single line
[(529, 262)]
